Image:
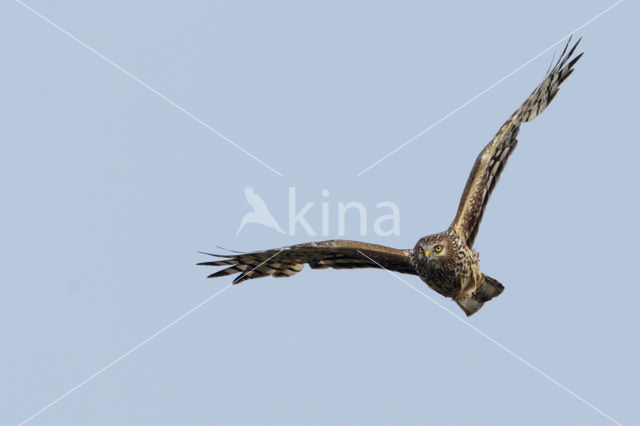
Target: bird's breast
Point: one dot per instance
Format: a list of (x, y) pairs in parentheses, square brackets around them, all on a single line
[(455, 278)]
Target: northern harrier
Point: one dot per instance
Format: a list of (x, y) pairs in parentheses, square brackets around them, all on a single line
[(445, 261)]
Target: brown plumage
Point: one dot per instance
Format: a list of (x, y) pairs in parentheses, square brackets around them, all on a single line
[(445, 261)]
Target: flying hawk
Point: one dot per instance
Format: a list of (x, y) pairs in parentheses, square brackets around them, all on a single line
[(445, 261)]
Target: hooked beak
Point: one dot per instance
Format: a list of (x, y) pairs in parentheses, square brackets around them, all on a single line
[(426, 253)]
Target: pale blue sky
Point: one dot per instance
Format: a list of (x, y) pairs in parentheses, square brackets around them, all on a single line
[(108, 192)]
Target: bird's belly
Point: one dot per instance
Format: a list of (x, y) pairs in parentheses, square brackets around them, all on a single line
[(468, 286), (454, 287), (447, 288)]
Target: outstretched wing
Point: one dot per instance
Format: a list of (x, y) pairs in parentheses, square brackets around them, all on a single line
[(287, 261), (492, 159)]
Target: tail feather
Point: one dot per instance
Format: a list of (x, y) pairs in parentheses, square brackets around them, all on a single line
[(490, 288)]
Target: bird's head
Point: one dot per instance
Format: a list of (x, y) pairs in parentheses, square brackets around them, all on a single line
[(433, 250)]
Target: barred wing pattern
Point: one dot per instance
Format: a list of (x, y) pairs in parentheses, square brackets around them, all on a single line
[(489, 164), (287, 261)]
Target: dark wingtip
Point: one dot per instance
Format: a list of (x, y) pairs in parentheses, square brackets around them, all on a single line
[(567, 52), (240, 278), (573, 48), (574, 60), (206, 264), (222, 273), (578, 42)]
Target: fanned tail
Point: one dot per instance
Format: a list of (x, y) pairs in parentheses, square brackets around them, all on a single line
[(490, 288)]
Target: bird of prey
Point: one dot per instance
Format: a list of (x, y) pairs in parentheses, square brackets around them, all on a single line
[(445, 261)]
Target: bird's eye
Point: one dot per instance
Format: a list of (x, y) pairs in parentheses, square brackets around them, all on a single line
[(438, 248)]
